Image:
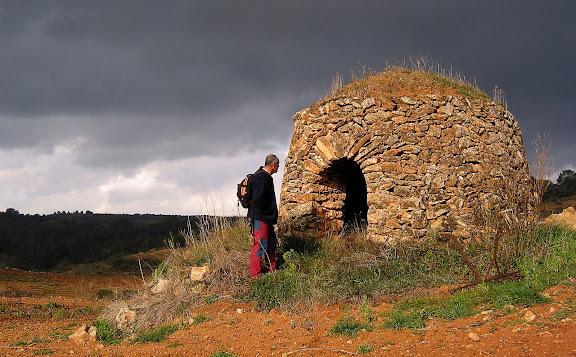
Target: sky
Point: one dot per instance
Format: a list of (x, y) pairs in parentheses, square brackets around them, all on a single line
[(162, 107)]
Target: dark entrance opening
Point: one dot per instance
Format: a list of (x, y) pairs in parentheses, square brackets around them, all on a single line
[(346, 175)]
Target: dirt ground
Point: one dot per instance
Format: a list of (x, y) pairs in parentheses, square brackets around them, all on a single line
[(39, 310)]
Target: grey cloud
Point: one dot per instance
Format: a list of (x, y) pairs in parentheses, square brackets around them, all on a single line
[(165, 79)]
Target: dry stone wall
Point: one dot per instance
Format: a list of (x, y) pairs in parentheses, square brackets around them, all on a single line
[(428, 164)]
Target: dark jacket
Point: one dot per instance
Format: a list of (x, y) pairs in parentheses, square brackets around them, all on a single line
[(264, 206)]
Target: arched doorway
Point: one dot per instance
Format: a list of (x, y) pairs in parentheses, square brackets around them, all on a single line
[(346, 176)]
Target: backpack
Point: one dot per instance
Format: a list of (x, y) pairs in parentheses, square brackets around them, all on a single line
[(244, 192)]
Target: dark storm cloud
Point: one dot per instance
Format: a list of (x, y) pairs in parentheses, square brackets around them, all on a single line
[(147, 79)]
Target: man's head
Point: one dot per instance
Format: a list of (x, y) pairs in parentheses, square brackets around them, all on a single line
[(271, 164)]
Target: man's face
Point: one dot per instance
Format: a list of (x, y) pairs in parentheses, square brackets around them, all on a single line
[(275, 167)]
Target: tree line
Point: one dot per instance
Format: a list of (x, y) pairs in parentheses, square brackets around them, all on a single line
[(565, 186), (48, 242)]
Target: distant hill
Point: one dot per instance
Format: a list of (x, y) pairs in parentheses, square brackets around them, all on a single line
[(63, 240)]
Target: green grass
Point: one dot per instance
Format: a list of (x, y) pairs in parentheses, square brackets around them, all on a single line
[(553, 260), (222, 354), (335, 269), (365, 348), (43, 351), (198, 319), (210, 299), (340, 270), (157, 335), (348, 326), (107, 333)]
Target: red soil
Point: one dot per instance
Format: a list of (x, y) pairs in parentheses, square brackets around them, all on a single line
[(27, 327)]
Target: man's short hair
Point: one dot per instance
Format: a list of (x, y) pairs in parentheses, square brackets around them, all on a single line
[(270, 160)]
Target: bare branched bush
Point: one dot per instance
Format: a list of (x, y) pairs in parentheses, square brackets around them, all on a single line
[(336, 85), (499, 96), (541, 166)]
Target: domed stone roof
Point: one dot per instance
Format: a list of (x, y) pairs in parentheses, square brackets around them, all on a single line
[(403, 154)]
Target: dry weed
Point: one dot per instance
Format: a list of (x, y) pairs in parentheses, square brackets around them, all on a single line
[(221, 243)]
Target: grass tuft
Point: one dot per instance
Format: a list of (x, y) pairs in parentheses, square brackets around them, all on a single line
[(348, 326), (157, 335), (364, 348), (107, 333)]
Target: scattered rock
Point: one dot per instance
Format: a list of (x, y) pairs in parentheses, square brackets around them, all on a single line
[(84, 334), (529, 316), (199, 273), (125, 319), (161, 285), (240, 311), (474, 336)]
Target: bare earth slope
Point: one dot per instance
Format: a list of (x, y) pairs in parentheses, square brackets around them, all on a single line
[(38, 311)]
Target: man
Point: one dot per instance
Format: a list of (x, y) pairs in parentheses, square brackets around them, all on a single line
[(264, 215)]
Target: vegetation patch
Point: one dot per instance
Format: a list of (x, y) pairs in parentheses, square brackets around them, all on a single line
[(107, 333), (348, 326), (157, 335), (198, 319), (365, 348), (222, 354), (105, 294)]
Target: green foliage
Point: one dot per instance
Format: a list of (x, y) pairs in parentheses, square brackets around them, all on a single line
[(51, 305), (521, 293), (222, 354), (273, 290), (160, 271), (107, 334), (349, 327), (210, 299), (198, 319), (48, 242), (341, 268), (460, 305), (156, 335), (366, 310), (60, 336), (464, 88), (365, 348), (550, 259), (2, 308), (43, 351), (411, 314), (565, 186)]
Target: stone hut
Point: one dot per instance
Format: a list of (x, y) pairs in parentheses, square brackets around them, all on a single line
[(403, 155)]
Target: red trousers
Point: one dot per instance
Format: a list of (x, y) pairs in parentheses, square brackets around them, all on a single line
[(263, 244)]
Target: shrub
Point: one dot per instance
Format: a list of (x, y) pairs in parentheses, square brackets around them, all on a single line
[(156, 335), (349, 327), (199, 319), (105, 294), (107, 333)]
